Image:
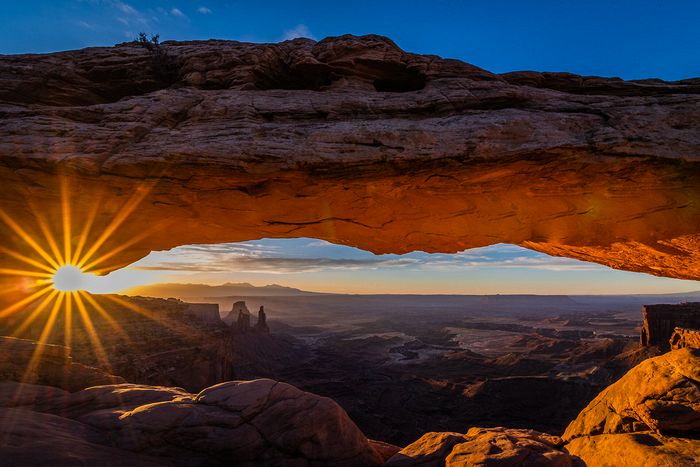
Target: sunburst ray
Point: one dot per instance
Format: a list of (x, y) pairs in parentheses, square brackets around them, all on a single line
[(19, 331), (92, 334), (116, 222), (105, 315), (66, 221), (28, 239), (24, 302)]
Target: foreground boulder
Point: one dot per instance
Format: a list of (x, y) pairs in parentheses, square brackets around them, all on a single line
[(260, 422), (651, 415), (484, 447)]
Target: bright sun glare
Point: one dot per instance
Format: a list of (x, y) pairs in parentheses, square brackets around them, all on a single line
[(62, 268), (68, 278)]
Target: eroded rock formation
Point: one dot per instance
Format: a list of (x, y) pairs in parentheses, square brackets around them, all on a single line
[(661, 320), (483, 447), (682, 337), (261, 326), (351, 140), (237, 314), (205, 312), (650, 416)]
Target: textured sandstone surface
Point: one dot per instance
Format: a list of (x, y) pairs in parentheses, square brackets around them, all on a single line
[(652, 414), (259, 422), (484, 447), (682, 337), (352, 140), (635, 449)]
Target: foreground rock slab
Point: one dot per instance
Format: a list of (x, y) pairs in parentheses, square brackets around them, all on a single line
[(259, 422), (484, 447), (651, 415)]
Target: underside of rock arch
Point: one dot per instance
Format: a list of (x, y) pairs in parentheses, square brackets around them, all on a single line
[(351, 140)]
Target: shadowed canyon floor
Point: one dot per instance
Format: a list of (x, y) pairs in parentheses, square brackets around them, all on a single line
[(652, 412), (399, 365)]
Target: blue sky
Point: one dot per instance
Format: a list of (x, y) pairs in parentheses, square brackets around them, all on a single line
[(630, 39)]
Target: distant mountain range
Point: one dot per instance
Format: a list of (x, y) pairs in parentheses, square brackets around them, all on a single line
[(228, 289), (244, 289)]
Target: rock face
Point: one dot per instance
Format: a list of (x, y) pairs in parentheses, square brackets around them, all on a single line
[(259, 422), (144, 340), (237, 310), (261, 326), (682, 337), (484, 447), (351, 140), (652, 415), (206, 312), (46, 364), (660, 322)]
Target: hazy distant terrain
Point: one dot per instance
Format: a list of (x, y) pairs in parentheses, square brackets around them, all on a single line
[(516, 360), (184, 291)]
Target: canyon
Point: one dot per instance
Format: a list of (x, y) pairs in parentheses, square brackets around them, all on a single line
[(94, 416)]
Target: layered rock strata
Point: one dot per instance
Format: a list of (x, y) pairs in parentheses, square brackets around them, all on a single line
[(661, 320), (351, 140)]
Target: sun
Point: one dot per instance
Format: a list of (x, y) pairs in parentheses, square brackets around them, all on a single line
[(60, 268), (69, 278)]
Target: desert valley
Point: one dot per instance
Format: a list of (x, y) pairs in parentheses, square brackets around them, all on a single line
[(399, 365)]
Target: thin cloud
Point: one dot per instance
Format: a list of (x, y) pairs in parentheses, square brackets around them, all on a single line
[(177, 12), (279, 265), (283, 257), (126, 8), (300, 30), (204, 10), (86, 25), (130, 15)]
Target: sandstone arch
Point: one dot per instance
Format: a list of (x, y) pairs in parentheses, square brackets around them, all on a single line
[(354, 141)]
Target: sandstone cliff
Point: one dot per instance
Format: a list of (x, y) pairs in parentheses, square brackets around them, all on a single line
[(661, 320)]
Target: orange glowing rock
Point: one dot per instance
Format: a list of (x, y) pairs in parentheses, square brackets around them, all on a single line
[(351, 140)]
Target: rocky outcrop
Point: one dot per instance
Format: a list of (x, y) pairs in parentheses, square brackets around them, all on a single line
[(261, 326), (259, 422), (351, 140), (682, 337), (238, 309), (239, 320), (650, 414), (205, 312), (144, 340), (661, 320), (635, 449), (483, 447), (47, 364)]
